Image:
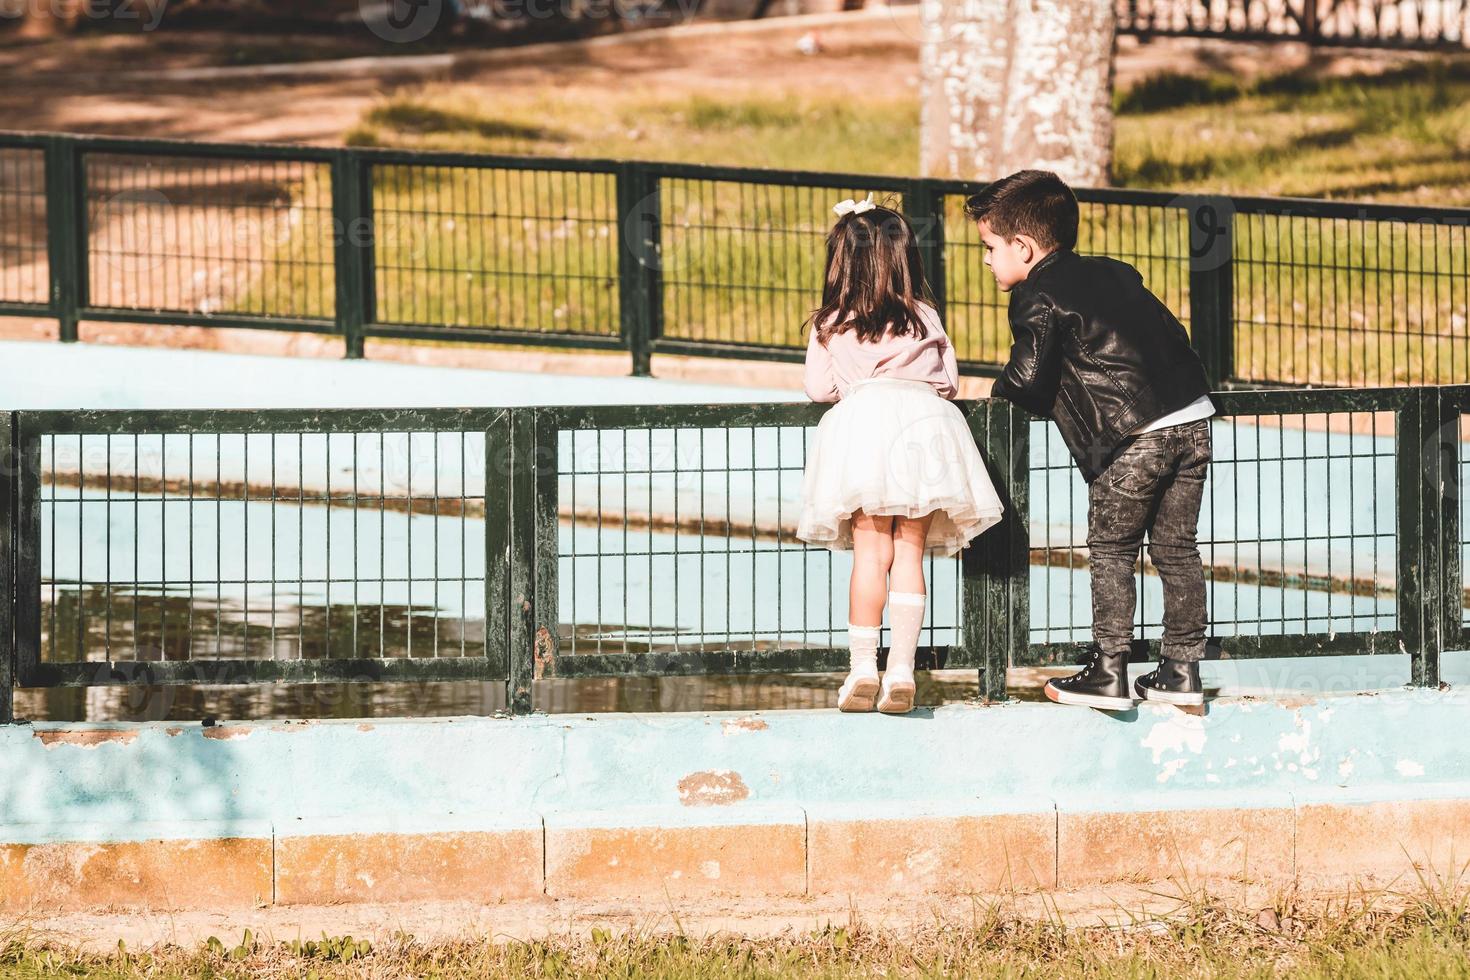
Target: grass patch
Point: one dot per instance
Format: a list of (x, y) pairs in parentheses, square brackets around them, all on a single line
[(1315, 302), (411, 117), (1359, 935), (803, 132), (1401, 135)]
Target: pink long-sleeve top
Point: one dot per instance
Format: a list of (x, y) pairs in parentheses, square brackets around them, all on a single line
[(832, 369)]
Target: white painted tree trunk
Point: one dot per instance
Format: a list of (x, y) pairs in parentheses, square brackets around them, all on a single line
[(1016, 84)]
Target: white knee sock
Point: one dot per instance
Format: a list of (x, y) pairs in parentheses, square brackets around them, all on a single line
[(862, 648), (905, 618)]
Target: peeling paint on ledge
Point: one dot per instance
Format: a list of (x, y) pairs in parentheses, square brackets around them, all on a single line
[(712, 788), (228, 732), (87, 739)]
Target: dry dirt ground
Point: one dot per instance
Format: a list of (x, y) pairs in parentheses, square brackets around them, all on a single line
[(1120, 905)]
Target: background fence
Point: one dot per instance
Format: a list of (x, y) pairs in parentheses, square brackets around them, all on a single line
[(1420, 24), (521, 545), (680, 259)]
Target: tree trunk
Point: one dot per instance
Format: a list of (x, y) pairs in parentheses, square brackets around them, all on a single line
[(1016, 84)]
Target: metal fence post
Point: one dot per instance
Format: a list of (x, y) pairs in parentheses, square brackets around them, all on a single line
[(521, 559), (1211, 285), (640, 276), (923, 204), (1422, 525), (353, 258), (979, 602), (25, 552), (1004, 549), (7, 567), (66, 232), (1017, 541), (1438, 452), (499, 468), (1451, 403)]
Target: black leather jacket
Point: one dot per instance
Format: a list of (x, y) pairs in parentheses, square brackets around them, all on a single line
[(1097, 353)]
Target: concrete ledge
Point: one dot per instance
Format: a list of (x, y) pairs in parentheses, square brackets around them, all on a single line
[(144, 874), (928, 849), (1194, 845), (754, 851), (482, 867), (1383, 842), (961, 799)]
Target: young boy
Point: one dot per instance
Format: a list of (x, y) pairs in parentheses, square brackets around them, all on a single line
[(1102, 357)]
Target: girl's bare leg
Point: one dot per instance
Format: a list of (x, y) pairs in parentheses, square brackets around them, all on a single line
[(907, 570), (872, 555), (905, 613)]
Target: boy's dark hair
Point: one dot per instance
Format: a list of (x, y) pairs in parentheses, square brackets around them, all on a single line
[(874, 281), (1036, 203)]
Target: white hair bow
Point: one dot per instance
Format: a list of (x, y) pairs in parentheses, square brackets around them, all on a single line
[(850, 206)]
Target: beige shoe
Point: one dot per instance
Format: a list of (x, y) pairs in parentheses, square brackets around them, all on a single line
[(858, 693), (897, 696)]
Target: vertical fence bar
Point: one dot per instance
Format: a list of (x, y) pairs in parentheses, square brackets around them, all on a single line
[(978, 601), (1017, 523), (1419, 463), (640, 277), (521, 560), (66, 233), (542, 512), (1310, 22), (923, 204), (7, 571), (353, 253), (1451, 591), (498, 470), (1433, 455), (997, 638), (26, 592), (1211, 285)]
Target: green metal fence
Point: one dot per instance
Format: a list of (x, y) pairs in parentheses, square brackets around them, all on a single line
[(680, 259), (528, 544)]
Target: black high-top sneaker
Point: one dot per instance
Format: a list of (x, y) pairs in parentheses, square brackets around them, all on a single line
[(1103, 683), (1172, 682)]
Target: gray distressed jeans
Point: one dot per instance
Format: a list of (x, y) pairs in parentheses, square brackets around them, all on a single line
[(1153, 487)]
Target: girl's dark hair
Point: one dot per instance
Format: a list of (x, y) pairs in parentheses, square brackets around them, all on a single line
[(875, 278)]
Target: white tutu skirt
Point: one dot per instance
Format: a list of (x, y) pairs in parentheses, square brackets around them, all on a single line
[(895, 446)]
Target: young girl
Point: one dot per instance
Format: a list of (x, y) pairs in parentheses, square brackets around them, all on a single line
[(892, 472)]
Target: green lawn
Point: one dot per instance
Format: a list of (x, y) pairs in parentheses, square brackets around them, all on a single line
[(1323, 302), (1402, 135)]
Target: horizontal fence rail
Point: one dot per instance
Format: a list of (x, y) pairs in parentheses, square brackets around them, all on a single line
[(662, 258), (523, 545)]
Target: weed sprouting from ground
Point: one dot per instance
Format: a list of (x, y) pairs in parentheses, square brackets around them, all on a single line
[(1423, 931)]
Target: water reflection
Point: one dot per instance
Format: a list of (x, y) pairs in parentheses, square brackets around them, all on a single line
[(413, 699), (93, 622)]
